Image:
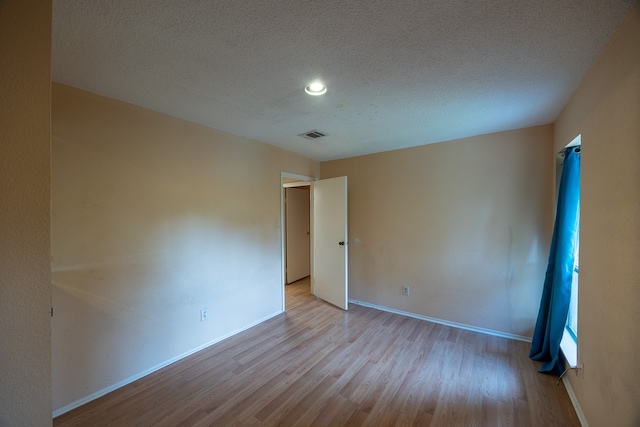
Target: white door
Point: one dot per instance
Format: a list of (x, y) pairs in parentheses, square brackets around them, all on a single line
[(298, 231), (330, 255)]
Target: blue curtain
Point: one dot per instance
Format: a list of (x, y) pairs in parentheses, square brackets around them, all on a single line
[(556, 293)]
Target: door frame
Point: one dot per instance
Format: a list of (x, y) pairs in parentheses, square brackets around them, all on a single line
[(301, 180)]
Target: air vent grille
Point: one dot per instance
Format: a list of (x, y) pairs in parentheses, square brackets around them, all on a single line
[(312, 134)]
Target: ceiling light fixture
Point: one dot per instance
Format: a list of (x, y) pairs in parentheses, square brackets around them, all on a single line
[(315, 89)]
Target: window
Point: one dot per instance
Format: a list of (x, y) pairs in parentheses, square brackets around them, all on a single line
[(569, 344), (572, 318)]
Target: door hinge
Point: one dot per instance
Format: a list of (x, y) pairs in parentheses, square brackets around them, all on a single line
[(51, 311)]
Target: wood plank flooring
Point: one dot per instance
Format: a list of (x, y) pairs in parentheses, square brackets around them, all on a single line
[(317, 365)]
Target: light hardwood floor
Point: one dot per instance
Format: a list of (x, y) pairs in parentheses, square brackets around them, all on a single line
[(318, 365)]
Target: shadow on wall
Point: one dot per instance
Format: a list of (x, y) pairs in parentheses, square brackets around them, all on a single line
[(141, 243)]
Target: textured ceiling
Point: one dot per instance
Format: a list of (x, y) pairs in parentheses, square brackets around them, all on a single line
[(400, 73)]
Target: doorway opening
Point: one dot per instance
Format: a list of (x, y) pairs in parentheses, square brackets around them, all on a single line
[(297, 233), (328, 237), (296, 188)]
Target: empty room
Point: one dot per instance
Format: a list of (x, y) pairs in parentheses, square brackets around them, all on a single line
[(149, 150)]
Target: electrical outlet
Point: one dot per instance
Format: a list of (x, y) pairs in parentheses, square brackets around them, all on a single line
[(405, 290), (204, 314)]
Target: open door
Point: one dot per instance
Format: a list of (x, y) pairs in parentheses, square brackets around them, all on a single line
[(329, 241)]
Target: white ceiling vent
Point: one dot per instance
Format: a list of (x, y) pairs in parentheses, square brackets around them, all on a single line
[(313, 134)]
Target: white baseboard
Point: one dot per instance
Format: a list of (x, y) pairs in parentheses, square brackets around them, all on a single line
[(446, 322), (146, 372), (574, 402)]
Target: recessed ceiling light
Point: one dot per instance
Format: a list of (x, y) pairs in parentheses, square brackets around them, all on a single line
[(315, 89)]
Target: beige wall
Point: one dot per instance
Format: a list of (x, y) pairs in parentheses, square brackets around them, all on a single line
[(153, 219), (25, 278), (606, 111), (466, 224)]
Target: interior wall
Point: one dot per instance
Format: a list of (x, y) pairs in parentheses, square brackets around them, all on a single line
[(466, 224), (25, 275), (154, 219), (606, 111)]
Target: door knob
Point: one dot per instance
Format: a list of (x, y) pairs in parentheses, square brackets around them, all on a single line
[(341, 243)]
